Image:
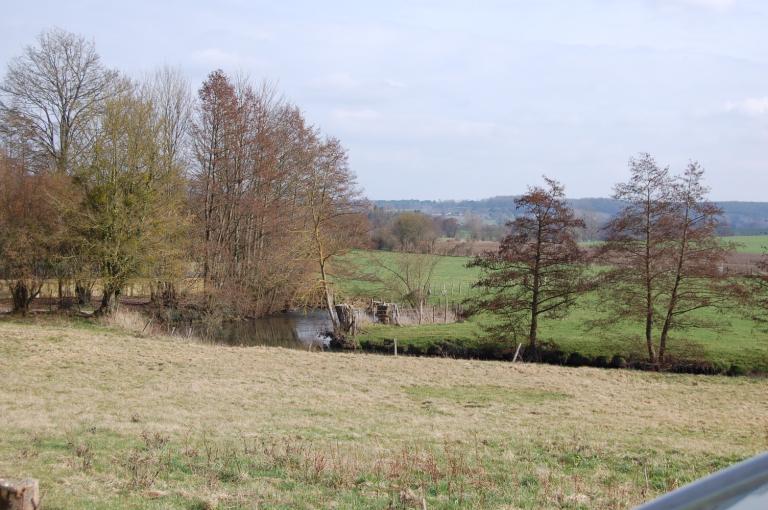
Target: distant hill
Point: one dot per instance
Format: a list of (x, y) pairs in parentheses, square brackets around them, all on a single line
[(740, 218)]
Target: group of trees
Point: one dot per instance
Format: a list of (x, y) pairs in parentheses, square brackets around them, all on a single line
[(104, 179), (410, 231), (274, 199), (660, 261), (417, 232)]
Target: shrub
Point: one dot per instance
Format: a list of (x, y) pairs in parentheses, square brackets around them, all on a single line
[(576, 359), (618, 362), (736, 369)]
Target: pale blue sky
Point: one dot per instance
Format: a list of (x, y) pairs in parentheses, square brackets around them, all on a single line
[(448, 99)]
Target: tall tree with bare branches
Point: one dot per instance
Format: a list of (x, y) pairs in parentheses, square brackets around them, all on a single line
[(124, 211), (663, 255), (169, 94), (334, 214), (30, 227), (53, 91), (538, 269)]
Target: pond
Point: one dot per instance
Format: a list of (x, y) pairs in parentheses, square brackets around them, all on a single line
[(295, 330)]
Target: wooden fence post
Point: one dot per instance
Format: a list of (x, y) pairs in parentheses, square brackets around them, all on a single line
[(19, 495), (517, 352), (395, 347)]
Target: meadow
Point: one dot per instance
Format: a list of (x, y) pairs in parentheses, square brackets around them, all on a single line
[(110, 420), (732, 340), (749, 244)]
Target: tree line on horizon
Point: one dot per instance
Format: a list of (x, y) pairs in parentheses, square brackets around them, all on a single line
[(739, 218), (106, 179)]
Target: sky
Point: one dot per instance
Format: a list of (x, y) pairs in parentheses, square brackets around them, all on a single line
[(441, 99)]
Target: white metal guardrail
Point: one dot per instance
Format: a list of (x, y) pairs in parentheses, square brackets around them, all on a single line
[(743, 486)]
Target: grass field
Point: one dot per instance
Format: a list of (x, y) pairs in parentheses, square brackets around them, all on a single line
[(733, 339), (754, 245), (108, 420), (452, 271), (750, 244), (451, 275)]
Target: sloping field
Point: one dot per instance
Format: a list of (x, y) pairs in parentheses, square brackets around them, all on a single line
[(109, 420)]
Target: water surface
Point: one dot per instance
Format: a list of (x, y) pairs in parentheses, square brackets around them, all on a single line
[(295, 330)]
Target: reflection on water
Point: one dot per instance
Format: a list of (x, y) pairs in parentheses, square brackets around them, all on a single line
[(297, 330)]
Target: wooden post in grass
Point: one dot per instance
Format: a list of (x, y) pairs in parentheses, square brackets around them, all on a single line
[(19, 494), (517, 352), (395, 347)]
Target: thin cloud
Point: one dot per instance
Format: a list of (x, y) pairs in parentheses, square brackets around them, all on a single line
[(364, 114), (337, 81), (217, 57), (719, 5), (752, 106)]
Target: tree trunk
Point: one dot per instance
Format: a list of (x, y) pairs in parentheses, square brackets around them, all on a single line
[(109, 299), (84, 293), (347, 322), (534, 330), (668, 319), (648, 285), (165, 294), (19, 495), (328, 296), (20, 298), (676, 288), (649, 329)]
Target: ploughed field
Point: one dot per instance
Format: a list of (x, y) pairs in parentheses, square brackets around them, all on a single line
[(105, 419)]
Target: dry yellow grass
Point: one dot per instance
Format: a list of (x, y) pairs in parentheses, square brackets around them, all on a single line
[(536, 436)]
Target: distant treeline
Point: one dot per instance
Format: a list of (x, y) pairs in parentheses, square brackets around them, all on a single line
[(739, 218)]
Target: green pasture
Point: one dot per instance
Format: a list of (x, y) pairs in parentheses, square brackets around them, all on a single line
[(729, 338)]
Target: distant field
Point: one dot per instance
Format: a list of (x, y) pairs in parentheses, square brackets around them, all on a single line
[(451, 277), (733, 338), (750, 244), (745, 244), (111, 421), (756, 244)]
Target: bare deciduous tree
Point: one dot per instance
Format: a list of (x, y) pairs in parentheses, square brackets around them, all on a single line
[(538, 269), (334, 220), (664, 257), (124, 211), (30, 227), (53, 92), (169, 93), (275, 202), (408, 275)]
